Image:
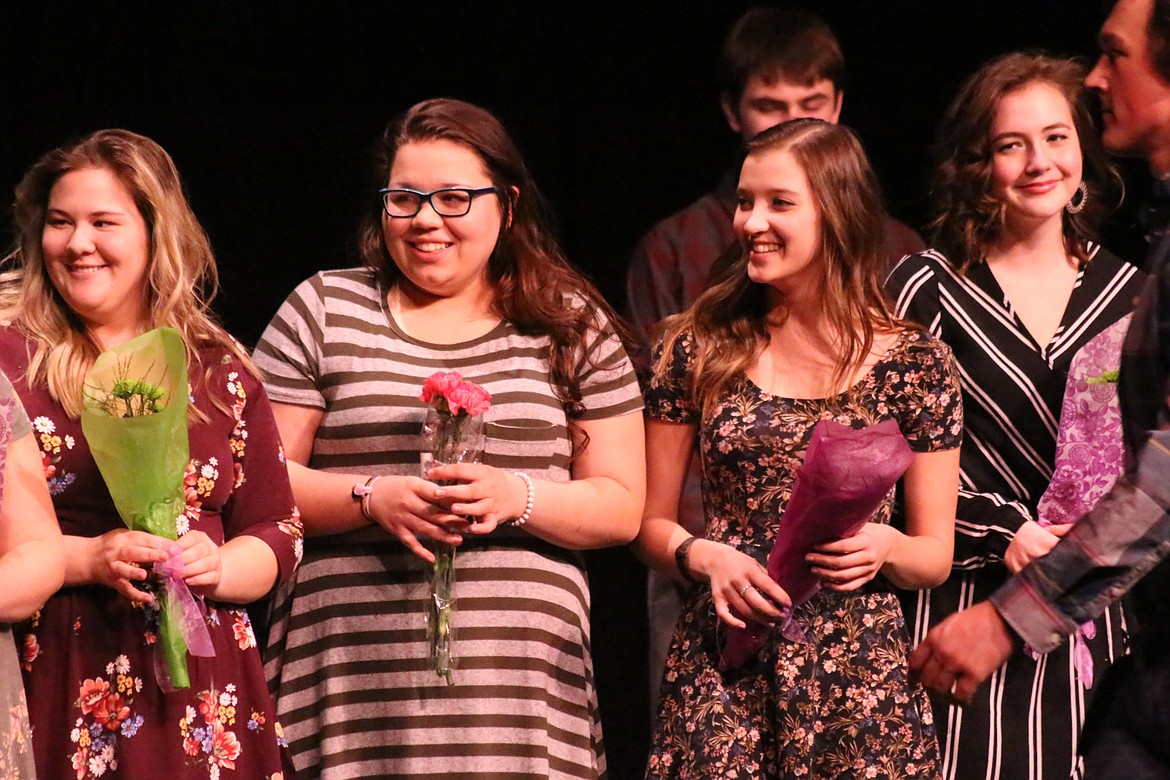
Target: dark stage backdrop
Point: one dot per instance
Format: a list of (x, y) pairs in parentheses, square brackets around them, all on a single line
[(270, 109)]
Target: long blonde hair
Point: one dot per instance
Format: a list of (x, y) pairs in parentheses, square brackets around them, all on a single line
[(729, 320), (181, 273)]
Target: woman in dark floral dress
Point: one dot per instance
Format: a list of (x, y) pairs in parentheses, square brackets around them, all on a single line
[(794, 330), (108, 250)]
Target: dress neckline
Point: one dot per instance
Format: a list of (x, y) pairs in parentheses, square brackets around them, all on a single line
[(400, 333), (890, 351)]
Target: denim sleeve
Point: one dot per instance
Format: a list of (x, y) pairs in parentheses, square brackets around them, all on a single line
[(1112, 547)]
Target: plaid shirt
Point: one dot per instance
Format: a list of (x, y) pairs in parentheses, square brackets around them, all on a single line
[(670, 266), (1127, 534), (667, 272)]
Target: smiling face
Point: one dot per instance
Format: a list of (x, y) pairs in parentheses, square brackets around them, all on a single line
[(443, 256), (1036, 161), (768, 102), (778, 222), (96, 251)]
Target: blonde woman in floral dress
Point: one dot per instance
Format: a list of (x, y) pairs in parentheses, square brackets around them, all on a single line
[(108, 249), (793, 330)]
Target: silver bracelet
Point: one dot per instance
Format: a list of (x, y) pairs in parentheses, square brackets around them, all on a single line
[(527, 513)]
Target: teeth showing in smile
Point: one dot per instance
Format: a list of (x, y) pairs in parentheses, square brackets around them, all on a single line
[(85, 269), (433, 246), (761, 248)]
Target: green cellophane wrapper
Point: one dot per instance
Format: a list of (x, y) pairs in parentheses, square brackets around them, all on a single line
[(138, 437)]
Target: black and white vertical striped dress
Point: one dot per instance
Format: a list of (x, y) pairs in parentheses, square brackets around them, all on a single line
[(348, 656), (1024, 724)]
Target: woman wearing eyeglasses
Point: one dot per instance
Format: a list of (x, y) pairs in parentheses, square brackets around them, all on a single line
[(460, 274)]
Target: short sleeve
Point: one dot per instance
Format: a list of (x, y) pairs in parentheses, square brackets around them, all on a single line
[(668, 396), (261, 503), (289, 352), (609, 386), (931, 417)]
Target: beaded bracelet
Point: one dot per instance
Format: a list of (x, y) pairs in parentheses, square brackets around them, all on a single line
[(363, 493), (527, 513)]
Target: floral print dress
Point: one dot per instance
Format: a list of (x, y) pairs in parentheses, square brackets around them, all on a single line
[(842, 704), (88, 654)]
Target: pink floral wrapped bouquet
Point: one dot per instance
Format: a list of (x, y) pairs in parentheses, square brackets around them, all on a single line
[(1089, 451)]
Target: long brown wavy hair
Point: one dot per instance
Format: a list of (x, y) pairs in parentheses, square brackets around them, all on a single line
[(729, 321), (535, 288), (181, 275), (968, 218)]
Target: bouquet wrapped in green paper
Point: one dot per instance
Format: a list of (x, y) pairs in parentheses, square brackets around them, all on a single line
[(135, 422)]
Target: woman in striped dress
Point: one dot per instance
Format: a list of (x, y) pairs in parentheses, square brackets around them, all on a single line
[(461, 275), (1016, 288)]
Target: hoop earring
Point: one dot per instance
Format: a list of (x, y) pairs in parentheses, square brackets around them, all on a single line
[(1076, 206)]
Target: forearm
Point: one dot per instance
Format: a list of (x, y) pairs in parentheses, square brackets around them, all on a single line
[(916, 562), (29, 574), (655, 545), (81, 557), (248, 570), (585, 514), (325, 500)]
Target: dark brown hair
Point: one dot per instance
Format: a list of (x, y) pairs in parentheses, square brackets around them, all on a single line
[(729, 321), (968, 218), (535, 288), (780, 42)]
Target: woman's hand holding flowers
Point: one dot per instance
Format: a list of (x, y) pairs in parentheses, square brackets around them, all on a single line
[(123, 557), (484, 495), (410, 508), (740, 586), (1032, 541), (847, 564), (202, 565)]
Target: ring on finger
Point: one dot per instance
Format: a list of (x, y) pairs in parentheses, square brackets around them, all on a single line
[(745, 589)]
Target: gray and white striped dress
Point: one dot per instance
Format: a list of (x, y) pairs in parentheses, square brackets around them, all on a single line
[(347, 653)]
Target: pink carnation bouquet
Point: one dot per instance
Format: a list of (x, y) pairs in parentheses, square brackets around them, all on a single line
[(452, 433)]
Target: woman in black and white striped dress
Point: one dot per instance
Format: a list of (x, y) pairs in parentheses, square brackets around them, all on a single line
[(460, 276), (1016, 288)]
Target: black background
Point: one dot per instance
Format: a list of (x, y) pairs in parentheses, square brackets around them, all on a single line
[(270, 111)]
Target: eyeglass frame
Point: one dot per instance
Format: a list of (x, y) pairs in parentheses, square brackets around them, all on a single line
[(426, 197)]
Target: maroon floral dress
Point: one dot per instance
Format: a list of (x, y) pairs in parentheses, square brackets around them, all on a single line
[(88, 654), (841, 705)]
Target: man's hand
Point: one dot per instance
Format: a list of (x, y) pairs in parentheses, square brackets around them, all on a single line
[(960, 653)]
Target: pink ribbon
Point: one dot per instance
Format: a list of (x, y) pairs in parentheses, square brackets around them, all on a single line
[(177, 596)]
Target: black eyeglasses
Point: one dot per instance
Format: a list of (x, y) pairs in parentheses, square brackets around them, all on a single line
[(447, 202)]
